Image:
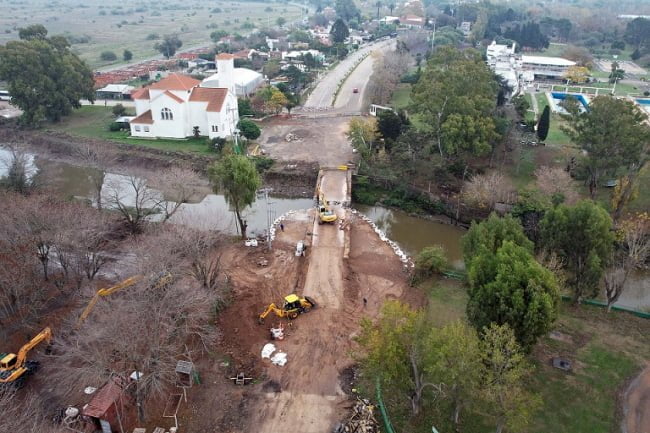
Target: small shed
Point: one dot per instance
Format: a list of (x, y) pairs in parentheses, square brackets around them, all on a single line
[(110, 406), (115, 91)]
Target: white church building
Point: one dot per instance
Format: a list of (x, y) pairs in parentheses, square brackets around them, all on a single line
[(175, 105)]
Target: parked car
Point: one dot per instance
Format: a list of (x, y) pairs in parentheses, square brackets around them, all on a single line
[(355, 90)]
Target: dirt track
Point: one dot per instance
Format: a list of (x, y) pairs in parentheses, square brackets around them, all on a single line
[(637, 405)]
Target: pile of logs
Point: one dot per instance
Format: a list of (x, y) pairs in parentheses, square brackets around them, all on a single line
[(362, 419)]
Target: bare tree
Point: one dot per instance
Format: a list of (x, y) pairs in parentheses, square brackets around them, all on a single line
[(20, 169), (632, 254), (556, 182), (23, 413), (486, 190), (138, 202), (386, 76)]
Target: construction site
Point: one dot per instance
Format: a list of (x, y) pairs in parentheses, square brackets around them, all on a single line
[(282, 352)]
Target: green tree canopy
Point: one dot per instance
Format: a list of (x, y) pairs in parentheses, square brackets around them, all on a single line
[(347, 9), (510, 287), (582, 238), (389, 124), (488, 236), (236, 177), (169, 45), (249, 129), (339, 31), (441, 95), (614, 135), (127, 55), (45, 79)]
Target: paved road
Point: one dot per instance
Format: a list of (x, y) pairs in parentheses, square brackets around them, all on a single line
[(322, 95)]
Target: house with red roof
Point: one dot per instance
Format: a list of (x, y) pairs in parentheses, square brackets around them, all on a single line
[(175, 105)]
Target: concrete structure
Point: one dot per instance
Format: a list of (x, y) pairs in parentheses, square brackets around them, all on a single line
[(389, 20), (172, 107), (466, 28), (246, 81), (412, 21), (546, 67)]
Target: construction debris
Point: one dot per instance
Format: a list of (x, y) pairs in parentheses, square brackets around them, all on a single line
[(292, 137), (268, 350), (362, 419), (241, 379), (279, 358), (278, 333)]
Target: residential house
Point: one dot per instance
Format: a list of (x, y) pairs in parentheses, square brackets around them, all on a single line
[(174, 106), (412, 21), (114, 91)]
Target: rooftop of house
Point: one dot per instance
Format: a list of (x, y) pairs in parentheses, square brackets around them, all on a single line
[(214, 97), (175, 82)]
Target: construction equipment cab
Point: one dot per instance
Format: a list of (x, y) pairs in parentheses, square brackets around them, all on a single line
[(325, 214), (15, 368), (292, 308)]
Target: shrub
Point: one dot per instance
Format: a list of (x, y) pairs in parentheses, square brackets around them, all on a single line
[(249, 129), (153, 36), (430, 261), (262, 163), (114, 127), (119, 110), (108, 56)]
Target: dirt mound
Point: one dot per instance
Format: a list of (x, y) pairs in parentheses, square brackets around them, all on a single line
[(636, 406)]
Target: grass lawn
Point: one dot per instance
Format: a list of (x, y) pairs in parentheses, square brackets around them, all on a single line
[(92, 121), (557, 137), (542, 101), (114, 25), (605, 351), (553, 50), (401, 97)]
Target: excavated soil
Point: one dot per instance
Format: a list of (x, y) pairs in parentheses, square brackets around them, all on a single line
[(636, 404)]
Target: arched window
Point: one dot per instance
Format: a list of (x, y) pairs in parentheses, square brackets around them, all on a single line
[(166, 114)]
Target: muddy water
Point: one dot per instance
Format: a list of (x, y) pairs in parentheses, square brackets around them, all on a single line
[(211, 211)]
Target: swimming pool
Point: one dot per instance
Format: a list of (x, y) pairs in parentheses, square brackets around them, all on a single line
[(562, 96)]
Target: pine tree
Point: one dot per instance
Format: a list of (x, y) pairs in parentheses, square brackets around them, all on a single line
[(543, 124)]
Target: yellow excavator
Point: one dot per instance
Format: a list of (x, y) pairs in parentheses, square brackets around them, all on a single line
[(292, 308), (101, 293), (14, 369), (325, 214)]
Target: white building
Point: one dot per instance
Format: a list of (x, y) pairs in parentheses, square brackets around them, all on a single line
[(172, 107), (551, 67), (246, 81)]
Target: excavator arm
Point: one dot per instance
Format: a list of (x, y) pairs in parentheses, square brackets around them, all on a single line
[(44, 335), (105, 292), (271, 309)]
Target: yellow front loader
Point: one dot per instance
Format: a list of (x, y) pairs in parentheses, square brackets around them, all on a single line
[(292, 308), (325, 214)]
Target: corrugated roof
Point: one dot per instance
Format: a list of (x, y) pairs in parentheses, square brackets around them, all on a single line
[(144, 118), (214, 97), (104, 399), (175, 82)]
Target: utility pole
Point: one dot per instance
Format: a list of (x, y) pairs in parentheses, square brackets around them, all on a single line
[(270, 214), (433, 36)]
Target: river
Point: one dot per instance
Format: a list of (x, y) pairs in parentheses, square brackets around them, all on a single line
[(211, 211)]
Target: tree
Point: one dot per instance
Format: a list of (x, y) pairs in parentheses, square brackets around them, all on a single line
[(544, 124), (460, 122), (582, 238), (127, 55), (577, 74), (281, 21), (118, 110), (429, 261), (512, 288), (637, 33), (378, 5), (45, 79), (527, 35), (362, 133), (632, 253), (168, 45), (614, 136), (21, 172), (339, 31), (488, 189), (277, 101), (389, 124), (506, 371), (33, 32), (489, 235), (237, 178), (108, 56), (580, 55), (556, 184), (249, 129), (391, 7), (100, 157), (346, 9), (216, 35), (616, 74)]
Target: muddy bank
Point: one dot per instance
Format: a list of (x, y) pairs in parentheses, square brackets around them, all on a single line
[(287, 179)]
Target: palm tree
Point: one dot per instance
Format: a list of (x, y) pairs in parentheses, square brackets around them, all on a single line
[(391, 6), (378, 4)]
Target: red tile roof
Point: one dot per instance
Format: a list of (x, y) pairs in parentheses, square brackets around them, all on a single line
[(107, 396), (175, 82), (214, 97), (144, 118), (225, 56), (243, 54), (174, 97), (140, 93)]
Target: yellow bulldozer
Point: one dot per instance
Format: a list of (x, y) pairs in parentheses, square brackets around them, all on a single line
[(292, 308), (14, 369), (325, 214)]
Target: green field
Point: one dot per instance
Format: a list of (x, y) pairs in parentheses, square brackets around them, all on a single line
[(115, 25), (605, 351), (401, 97), (92, 121)]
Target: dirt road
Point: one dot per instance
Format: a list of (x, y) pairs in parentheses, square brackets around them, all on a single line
[(637, 405)]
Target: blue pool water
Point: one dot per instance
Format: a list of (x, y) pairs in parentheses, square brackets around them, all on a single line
[(643, 101), (562, 96)]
